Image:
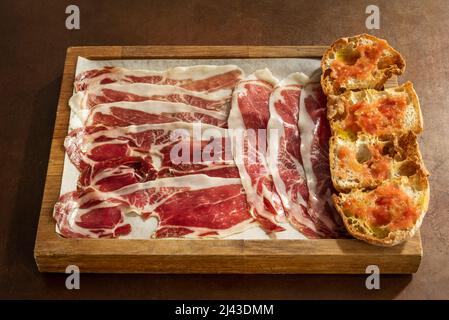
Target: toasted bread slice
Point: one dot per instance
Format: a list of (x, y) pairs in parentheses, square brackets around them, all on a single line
[(370, 160), (389, 214), (392, 111), (359, 62)]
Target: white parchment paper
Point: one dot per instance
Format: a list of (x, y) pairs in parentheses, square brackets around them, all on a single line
[(280, 67)]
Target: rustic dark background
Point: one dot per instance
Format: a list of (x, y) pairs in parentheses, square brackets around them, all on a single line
[(34, 41)]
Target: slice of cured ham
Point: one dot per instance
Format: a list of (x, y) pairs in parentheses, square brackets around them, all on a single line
[(315, 133), (248, 120), (194, 206), (202, 78), (284, 157), (111, 157), (121, 114), (83, 101)]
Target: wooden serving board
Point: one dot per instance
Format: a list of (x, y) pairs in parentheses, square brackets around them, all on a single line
[(54, 253)]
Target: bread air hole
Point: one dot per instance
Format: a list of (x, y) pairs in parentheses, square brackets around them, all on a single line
[(363, 153), (348, 56), (408, 168), (388, 149)]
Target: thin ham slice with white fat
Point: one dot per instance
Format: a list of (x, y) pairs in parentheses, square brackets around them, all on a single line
[(247, 122), (110, 157), (121, 114), (315, 133), (195, 206), (202, 78), (284, 157), (83, 101)]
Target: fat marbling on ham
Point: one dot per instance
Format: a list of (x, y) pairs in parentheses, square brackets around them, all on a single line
[(82, 102), (122, 114), (201, 78), (211, 207), (284, 157), (298, 129), (111, 157), (248, 121), (315, 133)]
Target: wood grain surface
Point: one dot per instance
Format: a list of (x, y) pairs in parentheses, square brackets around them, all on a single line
[(32, 61), (54, 253)]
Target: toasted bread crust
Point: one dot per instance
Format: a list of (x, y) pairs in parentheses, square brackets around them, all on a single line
[(401, 151), (408, 86), (375, 80), (420, 181)]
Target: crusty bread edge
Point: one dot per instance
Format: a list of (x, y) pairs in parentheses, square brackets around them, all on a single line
[(327, 85), (408, 87), (395, 237), (332, 163)]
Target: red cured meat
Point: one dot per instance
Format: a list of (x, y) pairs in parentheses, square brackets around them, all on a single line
[(315, 134), (83, 101), (285, 159), (250, 112), (109, 158), (196, 78), (211, 207), (121, 114)]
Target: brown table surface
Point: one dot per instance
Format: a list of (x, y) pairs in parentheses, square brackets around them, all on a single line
[(32, 55)]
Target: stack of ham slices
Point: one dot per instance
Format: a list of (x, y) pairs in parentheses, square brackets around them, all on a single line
[(205, 150)]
